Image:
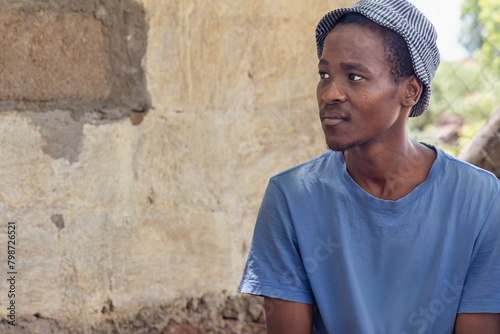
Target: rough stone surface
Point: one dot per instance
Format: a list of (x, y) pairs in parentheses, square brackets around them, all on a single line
[(44, 58), (83, 56), (67, 63), (160, 212), (210, 313)]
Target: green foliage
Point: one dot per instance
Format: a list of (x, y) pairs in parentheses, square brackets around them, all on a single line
[(469, 89), (480, 33), (465, 89)]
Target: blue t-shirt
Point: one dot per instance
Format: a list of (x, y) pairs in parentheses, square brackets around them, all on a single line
[(375, 266)]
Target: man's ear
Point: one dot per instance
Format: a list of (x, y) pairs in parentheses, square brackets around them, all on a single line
[(414, 88)]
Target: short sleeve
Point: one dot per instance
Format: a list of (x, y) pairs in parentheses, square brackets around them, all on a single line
[(274, 267), (481, 291)]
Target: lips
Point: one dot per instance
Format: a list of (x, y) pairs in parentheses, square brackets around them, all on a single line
[(333, 119)]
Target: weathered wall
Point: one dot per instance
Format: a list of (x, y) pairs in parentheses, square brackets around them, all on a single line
[(116, 213)]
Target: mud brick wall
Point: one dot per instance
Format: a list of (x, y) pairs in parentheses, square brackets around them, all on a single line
[(83, 57), (136, 140), (76, 55)]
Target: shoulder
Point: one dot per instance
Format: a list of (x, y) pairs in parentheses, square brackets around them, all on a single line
[(468, 175), (310, 171)]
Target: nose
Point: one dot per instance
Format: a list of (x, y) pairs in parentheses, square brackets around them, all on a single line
[(333, 93)]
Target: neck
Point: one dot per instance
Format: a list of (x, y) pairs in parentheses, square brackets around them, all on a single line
[(389, 171)]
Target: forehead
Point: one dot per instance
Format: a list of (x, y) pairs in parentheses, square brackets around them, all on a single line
[(354, 41)]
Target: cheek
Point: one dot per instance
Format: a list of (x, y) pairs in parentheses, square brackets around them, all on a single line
[(365, 103), (372, 109), (381, 100), (319, 92)]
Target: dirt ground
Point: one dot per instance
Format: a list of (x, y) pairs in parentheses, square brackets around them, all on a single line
[(210, 314)]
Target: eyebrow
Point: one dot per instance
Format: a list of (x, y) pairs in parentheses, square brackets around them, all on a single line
[(323, 62), (347, 66), (355, 66)]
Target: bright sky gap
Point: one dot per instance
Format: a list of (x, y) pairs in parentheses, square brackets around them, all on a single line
[(445, 15)]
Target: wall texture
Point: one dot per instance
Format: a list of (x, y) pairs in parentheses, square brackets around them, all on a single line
[(137, 139)]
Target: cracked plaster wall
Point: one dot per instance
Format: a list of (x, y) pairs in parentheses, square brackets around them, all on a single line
[(137, 211)]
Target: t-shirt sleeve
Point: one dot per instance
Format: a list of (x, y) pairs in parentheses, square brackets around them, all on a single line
[(274, 267), (481, 291)]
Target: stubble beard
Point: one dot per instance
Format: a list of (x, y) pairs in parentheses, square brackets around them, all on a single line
[(338, 148)]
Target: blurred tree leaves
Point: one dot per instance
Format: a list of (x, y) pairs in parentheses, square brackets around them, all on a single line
[(480, 33), (465, 91), (469, 90)]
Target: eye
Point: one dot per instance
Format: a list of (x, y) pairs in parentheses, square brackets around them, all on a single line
[(355, 77), (324, 75)]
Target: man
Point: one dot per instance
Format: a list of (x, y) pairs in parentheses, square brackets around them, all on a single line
[(380, 234)]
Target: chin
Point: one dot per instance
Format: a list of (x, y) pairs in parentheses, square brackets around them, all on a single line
[(339, 147)]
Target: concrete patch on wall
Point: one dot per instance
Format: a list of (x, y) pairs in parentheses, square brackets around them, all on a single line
[(61, 133), (83, 57)]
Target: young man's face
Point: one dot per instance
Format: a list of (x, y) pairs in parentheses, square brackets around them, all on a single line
[(359, 100)]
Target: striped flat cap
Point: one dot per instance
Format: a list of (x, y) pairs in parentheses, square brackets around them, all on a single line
[(406, 20)]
